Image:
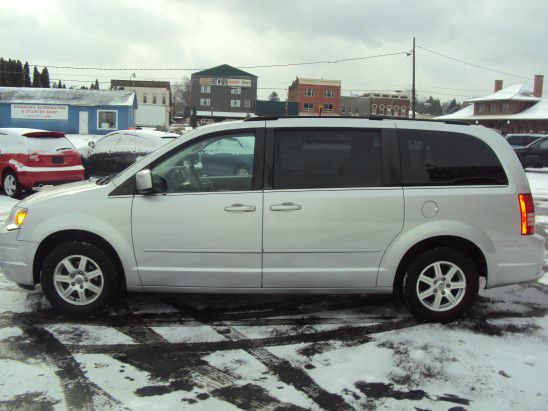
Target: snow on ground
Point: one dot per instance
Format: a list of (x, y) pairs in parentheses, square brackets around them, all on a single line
[(151, 352)]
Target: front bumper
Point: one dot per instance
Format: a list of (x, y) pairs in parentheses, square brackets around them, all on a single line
[(16, 257)]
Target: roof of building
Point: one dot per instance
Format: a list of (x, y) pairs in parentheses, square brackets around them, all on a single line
[(224, 70), (140, 83), (517, 92), (317, 82), (224, 114), (538, 111), (75, 97)]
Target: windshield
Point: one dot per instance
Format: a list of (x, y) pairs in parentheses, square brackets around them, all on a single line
[(521, 140)]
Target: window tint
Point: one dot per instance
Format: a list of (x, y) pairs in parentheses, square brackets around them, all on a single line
[(543, 145), (327, 159), (520, 140), (223, 163), (440, 158)]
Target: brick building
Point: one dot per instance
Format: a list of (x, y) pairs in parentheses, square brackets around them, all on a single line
[(316, 96), (514, 109)]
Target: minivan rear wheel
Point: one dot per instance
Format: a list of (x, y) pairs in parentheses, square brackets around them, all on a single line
[(440, 285), (78, 278)]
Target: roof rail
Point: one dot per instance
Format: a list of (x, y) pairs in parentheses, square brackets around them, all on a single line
[(372, 117)]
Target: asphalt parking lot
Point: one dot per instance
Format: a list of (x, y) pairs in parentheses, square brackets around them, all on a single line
[(275, 352)]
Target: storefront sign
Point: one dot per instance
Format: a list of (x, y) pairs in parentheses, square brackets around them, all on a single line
[(226, 82), (39, 112)]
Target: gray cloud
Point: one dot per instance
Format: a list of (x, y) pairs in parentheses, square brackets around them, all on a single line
[(505, 34)]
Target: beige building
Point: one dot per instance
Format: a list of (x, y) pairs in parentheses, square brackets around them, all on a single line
[(153, 101)]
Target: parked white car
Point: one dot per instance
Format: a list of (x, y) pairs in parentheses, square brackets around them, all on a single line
[(331, 205)]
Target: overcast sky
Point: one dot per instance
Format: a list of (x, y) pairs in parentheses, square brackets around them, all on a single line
[(510, 36)]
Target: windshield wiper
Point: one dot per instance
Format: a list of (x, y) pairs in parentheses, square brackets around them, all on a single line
[(106, 179)]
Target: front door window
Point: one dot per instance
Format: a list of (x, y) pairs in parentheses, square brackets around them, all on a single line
[(222, 163)]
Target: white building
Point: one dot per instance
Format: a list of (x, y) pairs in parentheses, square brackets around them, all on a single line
[(154, 100)]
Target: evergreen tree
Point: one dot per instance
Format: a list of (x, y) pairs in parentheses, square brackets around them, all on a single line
[(45, 78), (193, 120), (36, 78), (60, 84), (92, 86), (96, 84), (451, 107), (273, 97), (2, 72), (26, 75), (20, 75)]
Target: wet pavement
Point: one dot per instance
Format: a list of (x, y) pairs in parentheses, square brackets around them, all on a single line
[(273, 352)]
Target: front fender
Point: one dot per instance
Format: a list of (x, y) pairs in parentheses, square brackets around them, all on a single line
[(111, 221)]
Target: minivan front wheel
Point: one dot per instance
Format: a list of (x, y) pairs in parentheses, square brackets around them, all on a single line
[(440, 285), (78, 278)]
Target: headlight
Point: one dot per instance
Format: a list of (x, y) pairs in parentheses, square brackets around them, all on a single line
[(16, 218)]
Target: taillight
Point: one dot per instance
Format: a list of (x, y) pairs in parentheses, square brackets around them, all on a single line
[(527, 211)]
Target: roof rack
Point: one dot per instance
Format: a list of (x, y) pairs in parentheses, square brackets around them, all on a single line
[(372, 117)]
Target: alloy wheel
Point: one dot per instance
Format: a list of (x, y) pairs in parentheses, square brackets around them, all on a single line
[(441, 286), (78, 280)]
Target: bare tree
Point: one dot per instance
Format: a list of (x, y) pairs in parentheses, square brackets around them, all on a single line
[(180, 92)]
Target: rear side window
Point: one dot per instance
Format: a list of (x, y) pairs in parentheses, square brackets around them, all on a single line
[(327, 159), (443, 158)]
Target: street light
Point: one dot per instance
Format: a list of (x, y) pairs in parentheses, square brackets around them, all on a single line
[(130, 77)]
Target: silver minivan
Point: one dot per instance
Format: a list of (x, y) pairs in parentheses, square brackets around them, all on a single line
[(422, 209)]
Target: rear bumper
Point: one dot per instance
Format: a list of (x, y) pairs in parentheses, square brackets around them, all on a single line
[(30, 179), (16, 257), (517, 261)]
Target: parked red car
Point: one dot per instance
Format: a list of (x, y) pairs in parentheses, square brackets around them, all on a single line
[(32, 158)]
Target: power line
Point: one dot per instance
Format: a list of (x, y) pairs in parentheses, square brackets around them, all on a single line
[(335, 61), (473, 64)]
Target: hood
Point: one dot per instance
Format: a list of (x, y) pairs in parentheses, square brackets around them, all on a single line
[(60, 191)]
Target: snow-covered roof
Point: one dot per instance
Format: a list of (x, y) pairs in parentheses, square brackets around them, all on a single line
[(517, 92), (27, 95), (538, 111)]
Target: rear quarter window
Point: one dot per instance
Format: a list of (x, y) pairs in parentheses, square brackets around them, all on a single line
[(434, 158)]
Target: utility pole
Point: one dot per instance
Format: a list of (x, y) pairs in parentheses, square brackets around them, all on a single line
[(413, 84)]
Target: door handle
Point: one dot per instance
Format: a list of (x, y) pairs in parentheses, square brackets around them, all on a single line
[(285, 207), (240, 208)]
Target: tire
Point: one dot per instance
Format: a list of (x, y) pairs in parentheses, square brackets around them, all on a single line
[(11, 185), (435, 304), (97, 289), (241, 171)]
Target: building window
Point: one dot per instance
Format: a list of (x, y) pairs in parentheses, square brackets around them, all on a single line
[(397, 111), (235, 90), (205, 89), (343, 109), (308, 92), (328, 107), (374, 109), (381, 109), (144, 98), (505, 107), (388, 110), (492, 108), (154, 99), (404, 112), (329, 93), (164, 99), (481, 108), (308, 107), (204, 102), (247, 103), (234, 103), (107, 119)]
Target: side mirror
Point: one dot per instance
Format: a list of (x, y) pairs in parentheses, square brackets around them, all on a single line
[(143, 182), (91, 144)]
